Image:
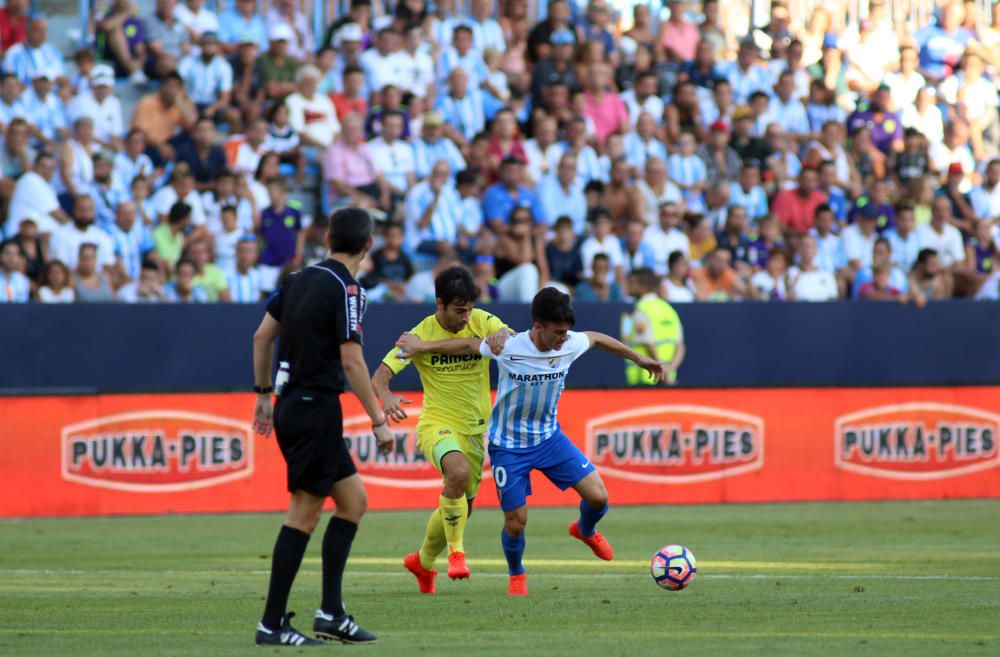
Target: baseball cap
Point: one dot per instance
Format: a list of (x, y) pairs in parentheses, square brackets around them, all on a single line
[(281, 32), (350, 32), (210, 35), (433, 119), (742, 112), (562, 37), (830, 41), (246, 39), (46, 72), (718, 126), (956, 167), (105, 155), (103, 75)]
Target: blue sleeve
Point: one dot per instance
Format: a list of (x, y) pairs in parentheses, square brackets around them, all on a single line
[(538, 209), (492, 205)]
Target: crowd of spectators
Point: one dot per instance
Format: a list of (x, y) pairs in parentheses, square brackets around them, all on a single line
[(810, 161)]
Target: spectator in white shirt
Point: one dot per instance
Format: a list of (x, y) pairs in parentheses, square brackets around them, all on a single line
[(66, 241), (786, 110), (420, 64), (14, 285), (903, 238), (102, 107), (311, 114), (602, 240), (642, 98), (196, 18), (393, 157), (303, 44), (181, 188), (543, 149), (907, 82), (974, 97), (986, 197), (34, 195), (859, 238), (561, 194), (806, 281), (385, 64), (941, 236)]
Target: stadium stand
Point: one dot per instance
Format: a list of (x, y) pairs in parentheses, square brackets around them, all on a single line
[(191, 151)]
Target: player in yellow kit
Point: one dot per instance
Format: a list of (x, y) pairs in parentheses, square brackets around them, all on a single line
[(452, 424)]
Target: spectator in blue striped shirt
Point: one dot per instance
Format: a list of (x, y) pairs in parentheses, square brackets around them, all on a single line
[(643, 144), (14, 286), (432, 146), (208, 78), (462, 55), (746, 75), (132, 241), (10, 100), (462, 108), (245, 285), (687, 171), (47, 112), (27, 59), (747, 192), (183, 288), (105, 189), (433, 213)]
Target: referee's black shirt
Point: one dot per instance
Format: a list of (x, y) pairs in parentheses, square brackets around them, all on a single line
[(319, 309)]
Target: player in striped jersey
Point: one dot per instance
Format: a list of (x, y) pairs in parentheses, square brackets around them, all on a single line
[(524, 431)]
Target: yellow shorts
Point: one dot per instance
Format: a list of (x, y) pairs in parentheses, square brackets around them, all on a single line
[(436, 440)]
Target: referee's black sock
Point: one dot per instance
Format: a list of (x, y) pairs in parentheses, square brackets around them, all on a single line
[(288, 552), (336, 546)]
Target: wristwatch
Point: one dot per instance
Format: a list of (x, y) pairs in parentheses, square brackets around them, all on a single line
[(263, 390)]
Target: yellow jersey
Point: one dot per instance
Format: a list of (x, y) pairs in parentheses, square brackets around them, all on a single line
[(456, 388)]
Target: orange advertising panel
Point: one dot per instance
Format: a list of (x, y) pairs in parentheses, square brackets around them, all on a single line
[(190, 453)]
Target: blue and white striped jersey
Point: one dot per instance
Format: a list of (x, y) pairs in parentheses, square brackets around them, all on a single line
[(530, 383), (245, 288)]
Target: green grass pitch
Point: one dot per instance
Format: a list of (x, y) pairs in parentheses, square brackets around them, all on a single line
[(884, 579)]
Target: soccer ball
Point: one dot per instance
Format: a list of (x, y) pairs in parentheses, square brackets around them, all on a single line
[(673, 567)]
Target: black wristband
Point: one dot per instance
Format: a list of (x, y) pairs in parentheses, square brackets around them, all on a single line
[(375, 426), (263, 390)]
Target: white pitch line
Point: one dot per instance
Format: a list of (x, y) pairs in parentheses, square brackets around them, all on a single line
[(371, 573)]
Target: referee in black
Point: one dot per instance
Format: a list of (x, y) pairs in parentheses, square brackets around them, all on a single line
[(317, 316)]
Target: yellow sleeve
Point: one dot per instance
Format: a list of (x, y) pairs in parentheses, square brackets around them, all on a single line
[(392, 359), (484, 324)]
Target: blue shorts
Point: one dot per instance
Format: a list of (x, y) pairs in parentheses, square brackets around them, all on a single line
[(557, 458)]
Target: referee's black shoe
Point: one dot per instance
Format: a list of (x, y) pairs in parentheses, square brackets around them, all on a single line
[(342, 628), (286, 635)]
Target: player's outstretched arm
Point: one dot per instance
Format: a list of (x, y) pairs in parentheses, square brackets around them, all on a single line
[(410, 345), (392, 404), (356, 372), (608, 344), (263, 356)]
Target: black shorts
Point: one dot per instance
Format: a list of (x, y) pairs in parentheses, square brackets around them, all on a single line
[(310, 429)]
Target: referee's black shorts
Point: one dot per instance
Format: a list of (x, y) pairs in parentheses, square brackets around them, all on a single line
[(310, 428)]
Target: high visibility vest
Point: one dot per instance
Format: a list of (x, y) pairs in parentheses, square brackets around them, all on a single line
[(666, 330)]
